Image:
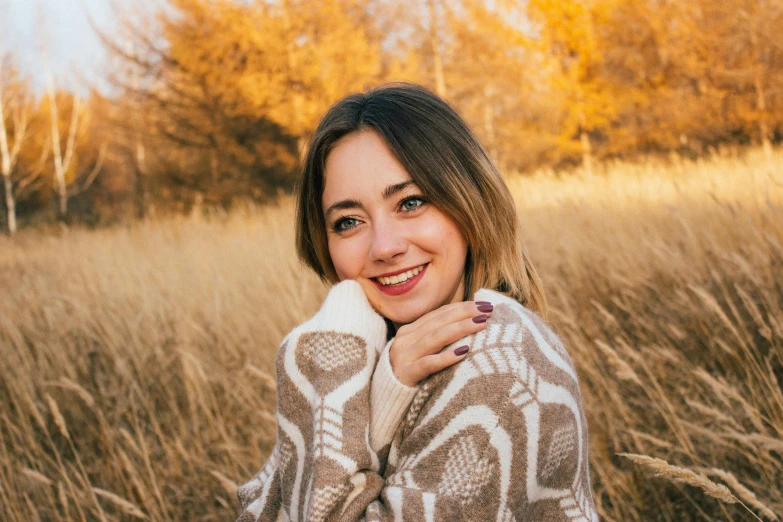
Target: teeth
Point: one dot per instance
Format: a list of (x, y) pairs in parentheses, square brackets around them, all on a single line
[(400, 278)]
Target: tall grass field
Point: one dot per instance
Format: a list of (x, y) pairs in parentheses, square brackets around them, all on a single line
[(136, 363)]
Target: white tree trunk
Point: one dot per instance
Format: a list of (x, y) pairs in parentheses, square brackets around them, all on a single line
[(62, 162), (437, 55), (10, 204), (8, 157)]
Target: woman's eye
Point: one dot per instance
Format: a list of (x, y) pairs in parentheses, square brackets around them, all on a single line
[(412, 203), (343, 224)]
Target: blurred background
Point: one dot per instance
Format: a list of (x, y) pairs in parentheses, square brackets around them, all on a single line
[(147, 264), (116, 111)]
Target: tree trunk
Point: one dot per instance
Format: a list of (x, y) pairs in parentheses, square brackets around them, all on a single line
[(10, 203), (587, 152), (62, 193), (59, 169), (62, 162), (139, 181), (437, 56), (8, 162), (761, 106), (214, 165)]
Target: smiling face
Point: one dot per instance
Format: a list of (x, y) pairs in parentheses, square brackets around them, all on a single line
[(382, 232)]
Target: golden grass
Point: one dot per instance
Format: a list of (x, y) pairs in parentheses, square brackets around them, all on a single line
[(136, 363)]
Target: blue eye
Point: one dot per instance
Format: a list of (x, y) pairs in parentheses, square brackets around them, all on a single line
[(343, 224), (412, 203)]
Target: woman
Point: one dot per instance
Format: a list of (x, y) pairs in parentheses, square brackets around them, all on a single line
[(428, 386)]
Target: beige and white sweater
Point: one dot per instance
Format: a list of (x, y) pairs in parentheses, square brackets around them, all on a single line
[(501, 435)]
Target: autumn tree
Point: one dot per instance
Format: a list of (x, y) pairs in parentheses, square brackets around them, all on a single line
[(569, 32), (233, 90), (495, 81), (740, 47)]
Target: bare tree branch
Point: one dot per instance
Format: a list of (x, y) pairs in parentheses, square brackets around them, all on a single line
[(94, 172)]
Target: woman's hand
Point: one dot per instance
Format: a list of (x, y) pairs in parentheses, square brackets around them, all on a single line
[(417, 350)]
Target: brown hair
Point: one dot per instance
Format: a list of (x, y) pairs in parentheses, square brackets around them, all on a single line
[(451, 168)]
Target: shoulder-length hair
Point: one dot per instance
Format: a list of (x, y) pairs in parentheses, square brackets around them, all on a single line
[(451, 168)]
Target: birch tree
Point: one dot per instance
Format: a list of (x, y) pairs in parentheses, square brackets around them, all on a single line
[(61, 156), (15, 108)]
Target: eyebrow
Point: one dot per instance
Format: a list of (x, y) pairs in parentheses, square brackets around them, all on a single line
[(352, 203)]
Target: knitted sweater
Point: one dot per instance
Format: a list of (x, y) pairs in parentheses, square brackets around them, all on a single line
[(500, 435)]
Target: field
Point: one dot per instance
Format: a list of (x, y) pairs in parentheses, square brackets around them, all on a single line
[(136, 363)]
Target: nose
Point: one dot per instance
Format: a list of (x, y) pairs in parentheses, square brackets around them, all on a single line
[(388, 241)]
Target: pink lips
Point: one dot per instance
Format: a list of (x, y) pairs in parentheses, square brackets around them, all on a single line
[(404, 287)]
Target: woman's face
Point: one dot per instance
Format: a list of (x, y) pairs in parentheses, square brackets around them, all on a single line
[(408, 255)]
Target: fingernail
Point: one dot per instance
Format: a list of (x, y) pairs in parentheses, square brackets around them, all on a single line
[(462, 350), (480, 319), (485, 307), (482, 303)]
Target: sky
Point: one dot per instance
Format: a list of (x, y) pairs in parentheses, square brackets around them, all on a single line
[(74, 48)]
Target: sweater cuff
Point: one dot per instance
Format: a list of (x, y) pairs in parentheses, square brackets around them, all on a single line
[(389, 401), (347, 309)]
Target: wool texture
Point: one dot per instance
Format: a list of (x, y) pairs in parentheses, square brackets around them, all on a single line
[(500, 435)]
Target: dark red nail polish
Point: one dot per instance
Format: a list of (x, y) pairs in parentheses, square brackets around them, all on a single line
[(482, 303), (462, 350), (485, 308), (480, 319)]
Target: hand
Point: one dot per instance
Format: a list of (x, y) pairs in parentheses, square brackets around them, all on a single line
[(417, 350)]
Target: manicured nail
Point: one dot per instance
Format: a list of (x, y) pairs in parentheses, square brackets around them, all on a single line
[(462, 350), (480, 319), (485, 307), (482, 302)]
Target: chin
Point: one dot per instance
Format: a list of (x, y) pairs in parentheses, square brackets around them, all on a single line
[(405, 314)]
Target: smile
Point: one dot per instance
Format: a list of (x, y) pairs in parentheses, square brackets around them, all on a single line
[(400, 278), (400, 283)]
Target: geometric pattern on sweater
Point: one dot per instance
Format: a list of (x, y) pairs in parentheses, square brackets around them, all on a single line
[(324, 499), (466, 472), (512, 353), (258, 496), (561, 446), (501, 435), (332, 351)]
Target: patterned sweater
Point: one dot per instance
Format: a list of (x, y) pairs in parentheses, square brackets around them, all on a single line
[(501, 435)]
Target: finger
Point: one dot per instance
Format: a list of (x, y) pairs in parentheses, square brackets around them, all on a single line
[(430, 364), (449, 313), (433, 341)]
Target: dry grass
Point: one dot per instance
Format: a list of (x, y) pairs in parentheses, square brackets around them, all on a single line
[(135, 362)]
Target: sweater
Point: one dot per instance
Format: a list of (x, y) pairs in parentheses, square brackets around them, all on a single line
[(500, 435)]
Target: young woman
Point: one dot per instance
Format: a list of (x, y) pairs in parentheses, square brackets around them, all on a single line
[(428, 386)]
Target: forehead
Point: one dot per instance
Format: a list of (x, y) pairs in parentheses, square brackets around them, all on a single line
[(361, 164)]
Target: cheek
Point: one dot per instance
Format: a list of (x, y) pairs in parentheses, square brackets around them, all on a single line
[(450, 241), (457, 249), (346, 258)]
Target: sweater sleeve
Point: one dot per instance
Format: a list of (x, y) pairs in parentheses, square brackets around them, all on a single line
[(389, 400), (322, 459)]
